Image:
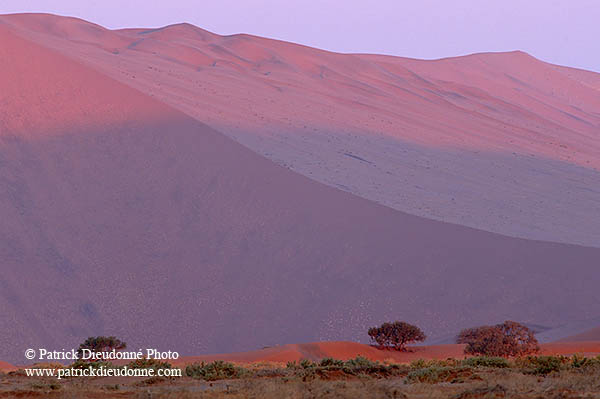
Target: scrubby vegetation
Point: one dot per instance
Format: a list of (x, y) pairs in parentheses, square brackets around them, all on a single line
[(217, 370), (396, 335), (485, 361), (476, 377), (507, 339)]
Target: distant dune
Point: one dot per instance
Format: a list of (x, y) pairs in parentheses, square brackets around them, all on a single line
[(123, 215), (590, 335), (500, 141), (345, 350), (5, 367), (350, 350), (337, 350)]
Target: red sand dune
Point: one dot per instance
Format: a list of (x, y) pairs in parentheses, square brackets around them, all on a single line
[(5, 367), (337, 350), (350, 350), (590, 335), (501, 142), (122, 215), (585, 348)]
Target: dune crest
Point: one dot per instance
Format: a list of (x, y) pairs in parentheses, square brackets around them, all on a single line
[(482, 140)]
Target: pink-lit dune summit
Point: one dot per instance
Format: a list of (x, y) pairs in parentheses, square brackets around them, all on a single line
[(501, 142), (128, 208)]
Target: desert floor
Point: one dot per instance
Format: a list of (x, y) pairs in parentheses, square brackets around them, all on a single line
[(423, 372)]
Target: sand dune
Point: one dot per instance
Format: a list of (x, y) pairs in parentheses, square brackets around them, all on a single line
[(337, 349), (590, 335), (350, 350), (346, 350), (6, 367), (122, 215), (501, 142)]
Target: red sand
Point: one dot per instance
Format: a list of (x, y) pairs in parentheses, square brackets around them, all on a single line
[(483, 140), (139, 221), (349, 350), (6, 367), (590, 335), (338, 350)]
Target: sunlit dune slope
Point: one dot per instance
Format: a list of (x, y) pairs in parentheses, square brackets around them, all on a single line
[(499, 141)]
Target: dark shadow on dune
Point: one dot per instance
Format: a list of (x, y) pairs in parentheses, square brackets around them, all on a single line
[(507, 193), (171, 235)]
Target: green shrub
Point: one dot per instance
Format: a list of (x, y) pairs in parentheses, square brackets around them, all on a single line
[(541, 365), (217, 370), (353, 367), (307, 364), (422, 363), (361, 362), (486, 361), (292, 365), (585, 364), (363, 366), (331, 363), (579, 362), (419, 364)]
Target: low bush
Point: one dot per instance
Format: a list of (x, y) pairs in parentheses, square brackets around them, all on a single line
[(217, 370), (307, 364), (419, 364), (330, 362), (359, 366), (541, 365), (361, 362), (363, 366), (486, 361), (585, 363), (422, 364)]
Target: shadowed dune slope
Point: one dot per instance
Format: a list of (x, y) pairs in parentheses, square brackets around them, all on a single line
[(500, 141), (123, 216)]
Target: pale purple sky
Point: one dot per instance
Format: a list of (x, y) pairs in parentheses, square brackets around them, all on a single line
[(564, 32)]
